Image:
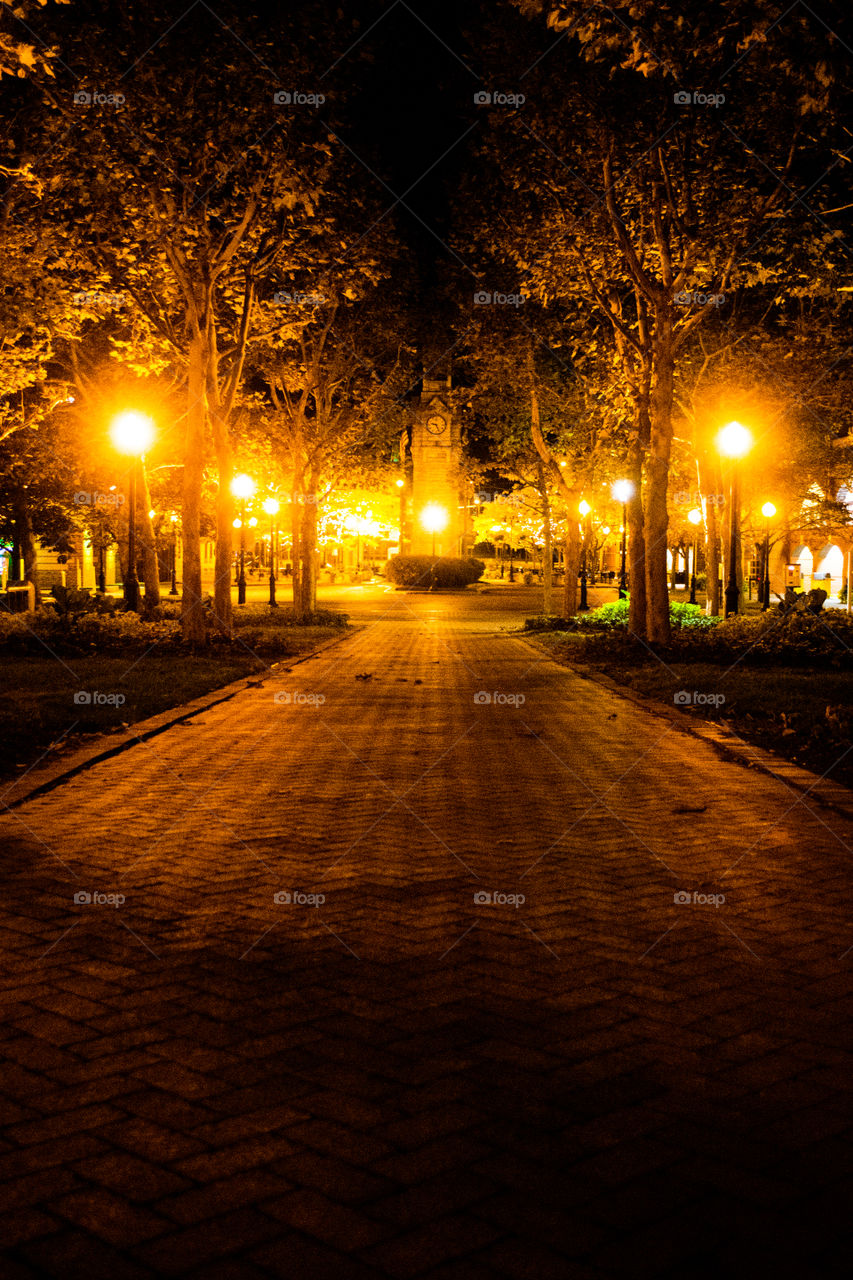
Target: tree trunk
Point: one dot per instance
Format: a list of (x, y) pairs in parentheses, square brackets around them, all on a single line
[(309, 557), (25, 538), (296, 556), (192, 612), (657, 475), (709, 486), (547, 551), (222, 603), (636, 545), (573, 560), (147, 544)]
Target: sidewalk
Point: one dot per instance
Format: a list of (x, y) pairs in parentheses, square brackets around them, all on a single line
[(408, 982)]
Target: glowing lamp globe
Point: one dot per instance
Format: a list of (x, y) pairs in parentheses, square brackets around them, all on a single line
[(242, 486), (734, 440), (584, 508), (695, 516), (271, 506), (768, 511), (132, 433), (434, 518), (623, 491)]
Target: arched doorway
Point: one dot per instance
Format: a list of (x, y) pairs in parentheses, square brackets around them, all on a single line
[(829, 564)]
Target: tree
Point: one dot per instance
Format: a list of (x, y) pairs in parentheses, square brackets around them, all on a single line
[(206, 211), (333, 376), (618, 203)]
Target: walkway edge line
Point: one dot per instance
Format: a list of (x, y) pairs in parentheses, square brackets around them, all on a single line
[(727, 743), (187, 712)]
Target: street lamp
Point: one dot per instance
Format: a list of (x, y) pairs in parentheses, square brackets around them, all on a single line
[(434, 520), (584, 508), (271, 508), (623, 491), (173, 591), (695, 518), (242, 487), (733, 441), (132, 433), (768, 511)]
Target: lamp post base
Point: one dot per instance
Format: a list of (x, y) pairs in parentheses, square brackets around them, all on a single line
[(583, 607)]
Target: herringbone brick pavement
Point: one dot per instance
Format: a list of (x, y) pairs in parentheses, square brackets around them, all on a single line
[(577, 1077)]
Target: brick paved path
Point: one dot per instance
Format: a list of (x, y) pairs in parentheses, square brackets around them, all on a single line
[(403, 1081)]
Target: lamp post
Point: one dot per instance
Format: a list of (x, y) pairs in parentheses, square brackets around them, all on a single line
[(768, 511), (242, 487), (271, 508), (401, 485), (584, 508), (733, 441), (434, 519), (173, 590), (695, 518), (132, 433), (623, 491)]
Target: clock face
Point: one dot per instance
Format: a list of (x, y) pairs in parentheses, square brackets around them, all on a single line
[(436, 424)]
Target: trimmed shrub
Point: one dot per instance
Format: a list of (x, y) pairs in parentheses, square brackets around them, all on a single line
[(424, 571), (615, 615), (771, 640)]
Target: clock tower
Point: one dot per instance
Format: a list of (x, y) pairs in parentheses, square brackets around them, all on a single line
[(436, 477)]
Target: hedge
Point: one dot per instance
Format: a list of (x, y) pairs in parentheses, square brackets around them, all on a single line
[(427, 572)]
